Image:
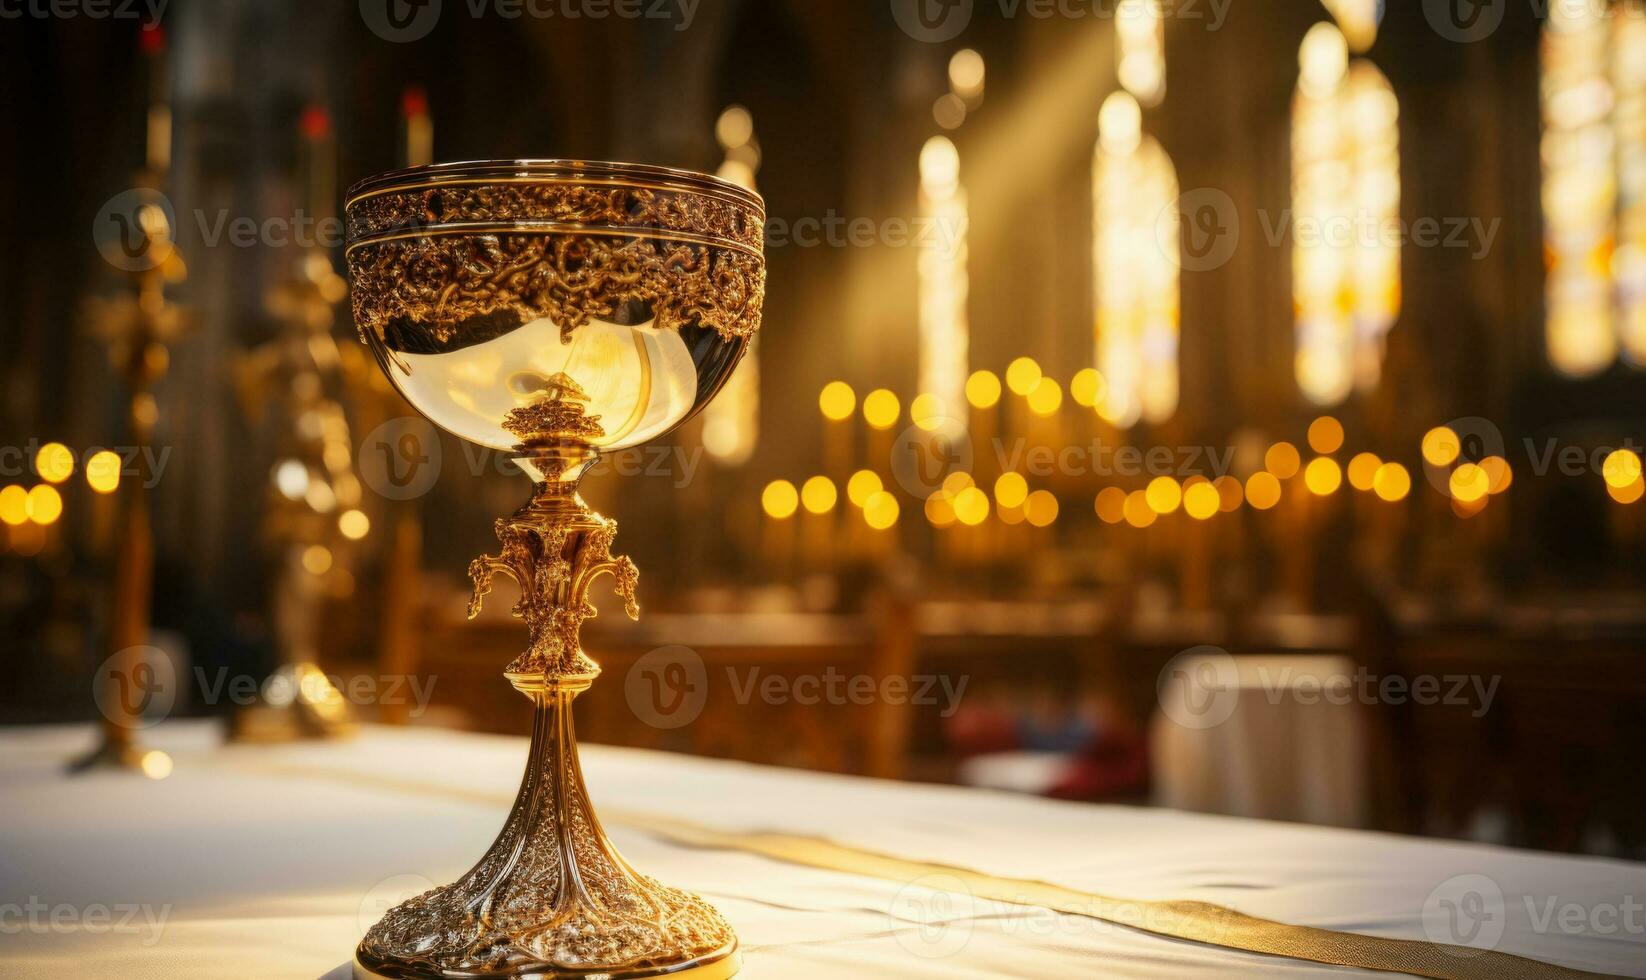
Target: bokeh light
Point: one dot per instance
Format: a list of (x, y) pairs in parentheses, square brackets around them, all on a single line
[(1263, 490), (1137, 510), (1046, 397), (1363, 470), (1022, 375), (317, 559), (971, 506), (927, 411), (983, 389), (819, 495), (103, 471), (1323, 476), (940, 509), (291, 478), (1282, 460), (14, 505), (1628, 494), (1041, 508), (966, 73), (45, 505), (155, 764), (1621, 468), (838, 401), (1164, 495), (54, 462), (880, 511), (1441, 446), (1230, 494), (1391, 482), (354, 524), (1011, 490), (862, 485), (881, 408), (1110, 505), (1499, 474), (780, 499), (1086, 388), (1201, 501), (1325, 435), (1469, 483)]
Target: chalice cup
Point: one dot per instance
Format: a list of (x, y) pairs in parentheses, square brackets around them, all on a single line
[(554, 310)]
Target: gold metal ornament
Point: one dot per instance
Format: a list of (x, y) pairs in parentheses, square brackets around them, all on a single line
[(554, 310), (137, 325), (302, 370)]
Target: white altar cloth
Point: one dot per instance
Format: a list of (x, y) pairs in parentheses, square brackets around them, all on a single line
[(270, 862)]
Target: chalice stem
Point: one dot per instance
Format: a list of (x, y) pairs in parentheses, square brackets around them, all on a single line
[(552, 897)]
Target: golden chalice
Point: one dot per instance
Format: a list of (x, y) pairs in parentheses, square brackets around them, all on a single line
[(554, 310)]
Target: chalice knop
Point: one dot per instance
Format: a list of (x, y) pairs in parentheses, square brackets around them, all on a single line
[(554, 310)]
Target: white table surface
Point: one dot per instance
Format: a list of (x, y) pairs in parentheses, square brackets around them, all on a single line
[(270, 862)]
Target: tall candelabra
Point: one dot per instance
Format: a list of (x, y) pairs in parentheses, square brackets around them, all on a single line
[(314, 519), (135, 233)]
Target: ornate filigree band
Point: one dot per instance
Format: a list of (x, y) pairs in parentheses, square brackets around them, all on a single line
[(451, 246)]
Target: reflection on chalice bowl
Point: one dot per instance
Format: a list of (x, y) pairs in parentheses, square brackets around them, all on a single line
[(553, 310)]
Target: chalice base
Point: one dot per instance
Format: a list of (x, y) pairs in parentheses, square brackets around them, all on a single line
[(720, 969), (552, 898)]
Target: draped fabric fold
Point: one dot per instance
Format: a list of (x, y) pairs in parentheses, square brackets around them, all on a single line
[(1200, 922)]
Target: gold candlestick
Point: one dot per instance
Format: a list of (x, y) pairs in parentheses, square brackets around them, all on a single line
[(137, 327), (554, 310), (313, 499)]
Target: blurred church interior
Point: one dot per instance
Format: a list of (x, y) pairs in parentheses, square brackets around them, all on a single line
[(1097, 352)]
